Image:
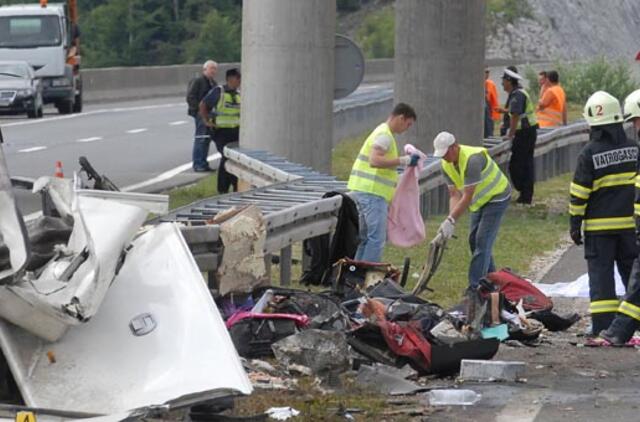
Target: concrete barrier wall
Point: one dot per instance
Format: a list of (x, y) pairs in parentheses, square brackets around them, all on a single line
[(134, 83)]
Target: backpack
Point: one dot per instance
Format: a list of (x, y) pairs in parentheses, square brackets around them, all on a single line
[(514, 288)]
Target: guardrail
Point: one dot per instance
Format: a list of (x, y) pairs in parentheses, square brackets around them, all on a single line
[(291, 195)]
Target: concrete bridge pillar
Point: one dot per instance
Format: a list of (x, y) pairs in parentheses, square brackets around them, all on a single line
[(439, 60), (288, 79)]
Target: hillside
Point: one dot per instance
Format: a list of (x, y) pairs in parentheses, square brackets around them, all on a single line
[(537, 29)]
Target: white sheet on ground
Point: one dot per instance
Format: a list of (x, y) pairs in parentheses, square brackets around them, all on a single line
[(576, 288)]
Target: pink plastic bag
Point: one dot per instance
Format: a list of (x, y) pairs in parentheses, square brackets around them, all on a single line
[(405, 226)]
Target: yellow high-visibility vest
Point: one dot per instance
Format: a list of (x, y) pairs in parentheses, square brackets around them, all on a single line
[(377, 181), (492, 181)]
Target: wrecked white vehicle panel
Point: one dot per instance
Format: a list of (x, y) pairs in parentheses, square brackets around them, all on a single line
[(13, 233), (157, 339), (69, 288)]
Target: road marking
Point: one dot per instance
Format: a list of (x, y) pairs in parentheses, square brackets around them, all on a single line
[(32, 149), (523, 407), (137, 130), (213, 158), (92, 139), (177, 123), (93, 112)]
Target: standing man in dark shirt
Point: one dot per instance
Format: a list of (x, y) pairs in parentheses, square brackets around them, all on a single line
[(520, 126), (198, 88), (220, 111)]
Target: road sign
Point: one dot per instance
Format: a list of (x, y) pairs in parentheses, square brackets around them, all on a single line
[(349, 67)]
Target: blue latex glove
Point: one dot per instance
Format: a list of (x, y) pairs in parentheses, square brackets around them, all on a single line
[(414, 160)]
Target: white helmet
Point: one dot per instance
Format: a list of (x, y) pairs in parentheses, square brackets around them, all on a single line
[(632, 105), (602, 108)]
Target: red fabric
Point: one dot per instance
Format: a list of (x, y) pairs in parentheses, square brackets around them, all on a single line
[(407, 341), (300, 320), (405, 226), (515, 288)]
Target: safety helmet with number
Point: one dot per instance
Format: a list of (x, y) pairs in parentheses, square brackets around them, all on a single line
[(602, 108), (632, 105)]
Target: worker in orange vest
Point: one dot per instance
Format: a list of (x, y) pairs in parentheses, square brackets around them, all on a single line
[(491, 105), (552, 107)]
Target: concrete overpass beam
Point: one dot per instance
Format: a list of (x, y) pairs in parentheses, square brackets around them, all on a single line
[(288, 78), (439, 59)]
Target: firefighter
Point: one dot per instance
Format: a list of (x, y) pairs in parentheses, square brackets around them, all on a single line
[(602, 198), (627, 320)]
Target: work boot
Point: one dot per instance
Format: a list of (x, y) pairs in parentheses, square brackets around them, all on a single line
[(620, 331), (600, 322)]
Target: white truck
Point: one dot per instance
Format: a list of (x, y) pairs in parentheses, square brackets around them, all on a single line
[(46, 36)]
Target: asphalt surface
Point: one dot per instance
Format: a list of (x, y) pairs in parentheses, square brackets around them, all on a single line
[(131, 142), (564, 379)]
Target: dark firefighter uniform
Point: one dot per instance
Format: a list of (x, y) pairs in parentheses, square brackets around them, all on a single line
[(602, 202), (628, 318)]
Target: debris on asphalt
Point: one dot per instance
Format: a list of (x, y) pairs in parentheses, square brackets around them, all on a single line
[(387, 380), (324, 352), (452, 397), (483, 370), (282, 413)]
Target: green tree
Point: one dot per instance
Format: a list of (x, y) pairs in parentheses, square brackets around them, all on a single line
[(376, 36), (217, 37)]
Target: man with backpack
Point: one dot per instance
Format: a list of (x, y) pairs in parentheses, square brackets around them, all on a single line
[(198, 88)]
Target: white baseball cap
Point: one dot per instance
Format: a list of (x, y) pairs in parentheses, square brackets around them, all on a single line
[(441, 143)]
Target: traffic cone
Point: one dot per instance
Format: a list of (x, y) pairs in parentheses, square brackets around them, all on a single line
[(59, 172)]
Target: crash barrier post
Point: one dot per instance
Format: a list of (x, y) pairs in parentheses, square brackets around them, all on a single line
[(290, 194)]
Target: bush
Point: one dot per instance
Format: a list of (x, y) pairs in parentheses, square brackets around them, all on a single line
[(348, 5), (580, 80), (376, 36)]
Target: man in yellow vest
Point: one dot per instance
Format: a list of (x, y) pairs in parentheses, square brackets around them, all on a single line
[(220, 110), (476, 183), (373, 180), (552, 106)]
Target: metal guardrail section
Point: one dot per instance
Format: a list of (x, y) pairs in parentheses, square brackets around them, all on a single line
[(290, 194), (293, 211)]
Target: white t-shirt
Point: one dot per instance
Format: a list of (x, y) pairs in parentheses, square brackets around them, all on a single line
[(383, 141)]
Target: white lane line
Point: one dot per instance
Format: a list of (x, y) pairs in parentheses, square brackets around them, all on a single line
[(137, 130), (213, 158), (177, 123), (92, 139), (92, 113), (32, 149)]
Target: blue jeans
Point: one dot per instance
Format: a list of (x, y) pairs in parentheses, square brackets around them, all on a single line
[(373, 211), (201, 143), (484, 229)]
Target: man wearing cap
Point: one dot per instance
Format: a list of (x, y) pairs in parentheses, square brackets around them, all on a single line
[(475, 182), (373, 180), (520, 126)]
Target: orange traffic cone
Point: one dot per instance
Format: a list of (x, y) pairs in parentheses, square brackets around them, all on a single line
[(59, 172)]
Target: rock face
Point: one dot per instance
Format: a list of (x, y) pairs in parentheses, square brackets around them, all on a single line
[(571, 29)]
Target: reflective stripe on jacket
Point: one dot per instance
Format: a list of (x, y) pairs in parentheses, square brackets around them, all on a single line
[(529, 111), (492, 182), (551, 116), (228, 109), (603, 186), (374, 180)]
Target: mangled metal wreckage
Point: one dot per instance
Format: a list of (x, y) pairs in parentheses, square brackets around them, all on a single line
[(100, 317)]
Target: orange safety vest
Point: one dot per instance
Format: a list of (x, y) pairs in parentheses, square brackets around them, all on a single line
[(551, 115), (492, 98)]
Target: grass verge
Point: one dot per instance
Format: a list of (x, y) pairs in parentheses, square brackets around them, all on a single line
[(204, 188)]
